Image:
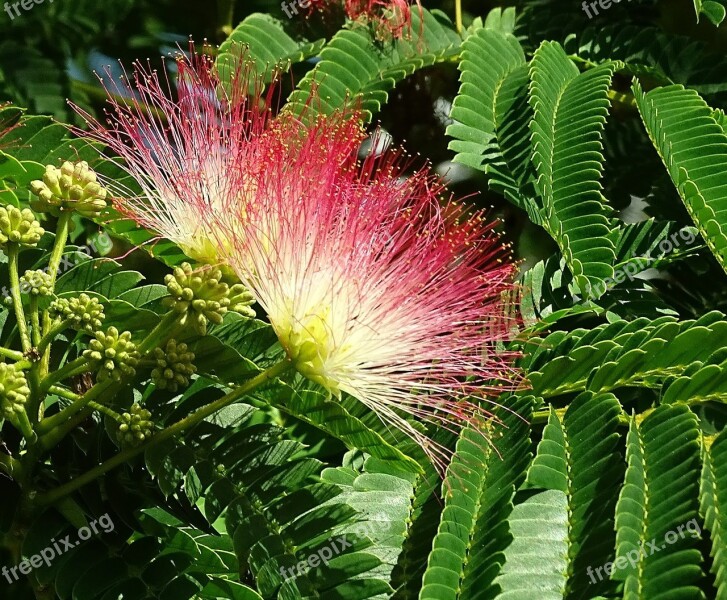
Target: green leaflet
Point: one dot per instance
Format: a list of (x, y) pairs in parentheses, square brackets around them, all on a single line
[(276, 512), (536, 560), (693, 147), (491, 115), (569, 114), (354, 67), (268, 45), (579, 456), (713, 10), (473, 530), (384, 499), (656, 555), (713, 507), (623, 353)]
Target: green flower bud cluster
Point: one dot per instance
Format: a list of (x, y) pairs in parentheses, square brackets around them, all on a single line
[(14, 391), (83, 311), (72, 187), (36, 283), (203, 298), (173, 366), (136, 426), (19, 226), (114, 354)]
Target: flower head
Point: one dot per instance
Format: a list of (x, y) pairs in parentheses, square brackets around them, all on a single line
[(200, 149), (19, 227), (376, 289), (72, 187), (390, 18)]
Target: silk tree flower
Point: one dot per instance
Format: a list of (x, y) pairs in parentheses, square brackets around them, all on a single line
[(203, 147), (390, 18), (378, 290)]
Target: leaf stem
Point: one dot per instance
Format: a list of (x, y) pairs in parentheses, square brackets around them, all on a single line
[(458, 15), (109, 412), (164, 330), (11, 354), (199, 415), (53, 263), (13, 251), (79, 365), (79, 402), (51, 334), (35, 321)]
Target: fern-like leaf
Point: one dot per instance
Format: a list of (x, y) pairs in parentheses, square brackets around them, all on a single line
[(657, 556), (569, 114), (693, 147)]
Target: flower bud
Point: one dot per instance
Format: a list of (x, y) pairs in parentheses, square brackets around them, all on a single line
[(19, 226), (113, 354), (173, 366), (136, 426), (36, 283), (14, 391), (203, 298), (72, 187), (83, 311)]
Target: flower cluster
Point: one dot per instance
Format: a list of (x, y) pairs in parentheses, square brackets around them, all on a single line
[(19, 227), (113, 354), (82, 312), (72, 187), (202, 297), (377, 288), (204, 149), (136, 426), (14, 391), (376, 284), (389, 18), (37, 283), (173, 366)]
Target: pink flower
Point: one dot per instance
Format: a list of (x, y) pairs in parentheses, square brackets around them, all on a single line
[(200, 149), (389, 17), (376, 289)]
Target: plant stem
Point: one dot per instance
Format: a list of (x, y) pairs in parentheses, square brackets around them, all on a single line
[(79, 402), (35, 321), (13, 250), (59, 246), (109, 412), (11, 354), (22, 423), (53, 263), (458, 15), (180, 426), (164, 330), (51, 334), (63, 392), (79, 365), (50, 439)]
